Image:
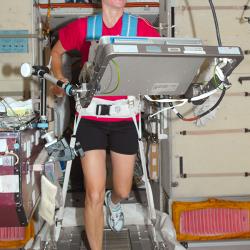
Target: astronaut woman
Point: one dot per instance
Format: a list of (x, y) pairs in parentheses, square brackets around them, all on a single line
[(95, 134)]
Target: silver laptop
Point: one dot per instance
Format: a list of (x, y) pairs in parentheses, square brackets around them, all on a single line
[(153, 66)]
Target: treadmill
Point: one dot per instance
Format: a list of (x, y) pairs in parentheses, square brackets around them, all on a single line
[(141, 66)]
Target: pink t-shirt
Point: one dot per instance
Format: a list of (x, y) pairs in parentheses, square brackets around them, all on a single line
[(73, 37)]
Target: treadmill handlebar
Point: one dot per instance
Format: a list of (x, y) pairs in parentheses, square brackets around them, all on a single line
[(43, 72)]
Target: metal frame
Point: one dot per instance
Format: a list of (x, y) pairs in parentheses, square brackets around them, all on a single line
[(149, 194)]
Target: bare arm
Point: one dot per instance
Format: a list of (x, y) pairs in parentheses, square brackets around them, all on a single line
[(56, 55)]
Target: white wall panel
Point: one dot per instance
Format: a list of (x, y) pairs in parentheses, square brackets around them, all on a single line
[(222, 153), (16, 15), (194, 18)]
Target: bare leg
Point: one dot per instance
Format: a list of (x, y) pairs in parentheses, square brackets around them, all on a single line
[(123, 169), (94, 170)]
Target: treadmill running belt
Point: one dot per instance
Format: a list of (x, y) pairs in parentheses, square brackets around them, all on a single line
[(131, 238)]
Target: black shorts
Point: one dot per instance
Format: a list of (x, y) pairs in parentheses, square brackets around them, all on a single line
[(120, 137)]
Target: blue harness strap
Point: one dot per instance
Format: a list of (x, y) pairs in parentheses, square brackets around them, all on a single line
[(94, 26), (129, 25)]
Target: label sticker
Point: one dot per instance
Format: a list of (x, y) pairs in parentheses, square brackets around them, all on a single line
[(161, 88), (3, 145), (7, 160), (229, 50), (194, 50), (9, 184), (174, 50), (154, 49), (125, 48)]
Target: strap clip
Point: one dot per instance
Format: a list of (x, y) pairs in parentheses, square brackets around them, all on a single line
[(102, 109)]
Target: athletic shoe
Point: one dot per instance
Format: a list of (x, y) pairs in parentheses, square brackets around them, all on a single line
[(114, 216)]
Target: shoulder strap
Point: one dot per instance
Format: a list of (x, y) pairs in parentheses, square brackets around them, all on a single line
[(94, 27), (129, 25)]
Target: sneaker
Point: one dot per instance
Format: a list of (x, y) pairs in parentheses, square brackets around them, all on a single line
[(114, 217)]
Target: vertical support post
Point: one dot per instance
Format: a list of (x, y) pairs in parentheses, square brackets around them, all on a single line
[(161, 131), (42, 81), (59, 213), (165, 18), (43, 123)]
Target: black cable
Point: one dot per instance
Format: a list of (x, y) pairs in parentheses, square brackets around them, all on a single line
[(216, 104), (223, 90), (172, 21), (246, 5), (206, 112), (215, 22)]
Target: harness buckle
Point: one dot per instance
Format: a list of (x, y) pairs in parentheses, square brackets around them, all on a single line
[(131, 102), (103, 109)]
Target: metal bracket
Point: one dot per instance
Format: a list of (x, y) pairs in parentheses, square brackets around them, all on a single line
[(182, 174), (244, 78), (248, 19)]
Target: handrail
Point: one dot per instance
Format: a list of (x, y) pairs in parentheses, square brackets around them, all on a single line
[(89, 5)]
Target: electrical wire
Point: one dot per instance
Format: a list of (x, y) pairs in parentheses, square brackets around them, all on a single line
[(20, 119), (117, 68), (184, 101), (215, 22), (215, 78), (203, 114), (13, 154), (168, 108), (110, 80), (164, 100), (6, 104), (196, 98)]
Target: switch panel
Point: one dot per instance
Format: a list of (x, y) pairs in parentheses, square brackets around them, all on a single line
[(13, 45)]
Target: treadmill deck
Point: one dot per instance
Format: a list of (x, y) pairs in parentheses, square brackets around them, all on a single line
[(131, 238)]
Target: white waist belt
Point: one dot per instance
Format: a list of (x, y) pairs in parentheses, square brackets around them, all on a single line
[(123, 108)]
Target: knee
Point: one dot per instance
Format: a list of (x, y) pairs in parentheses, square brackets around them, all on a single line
[(94, 198), (122, 194)]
